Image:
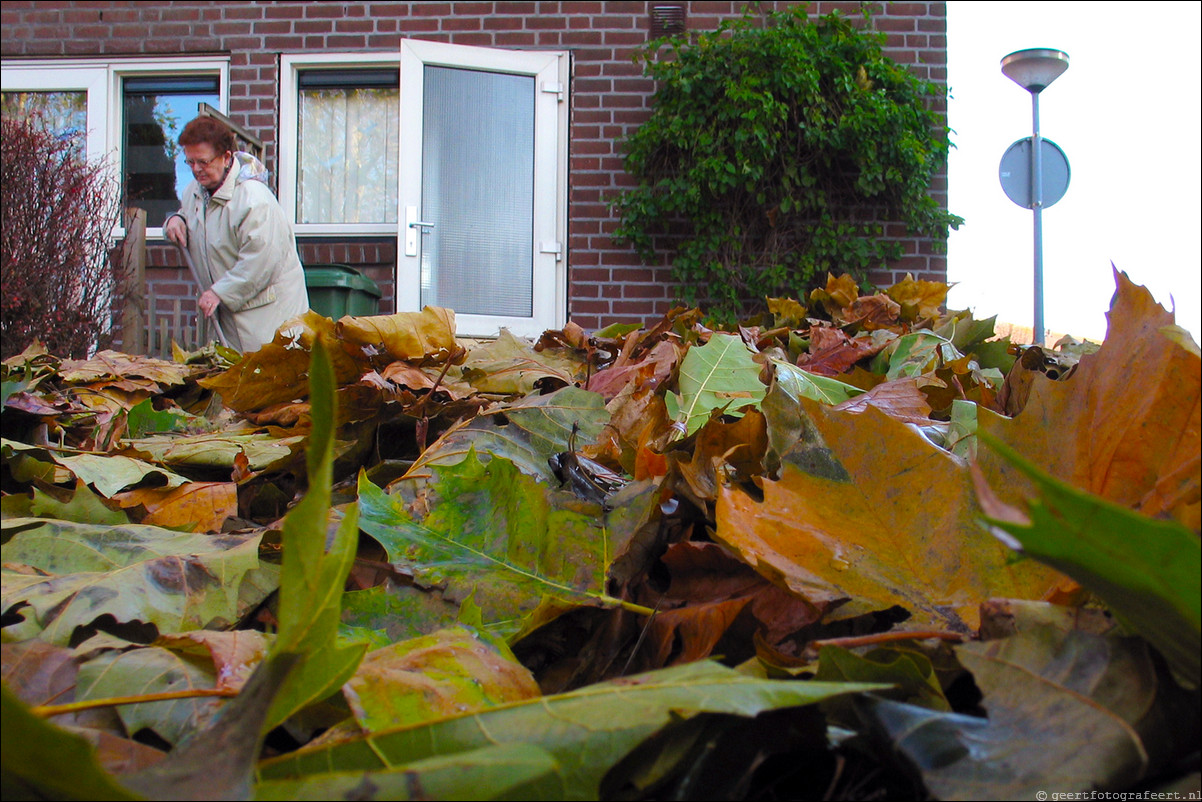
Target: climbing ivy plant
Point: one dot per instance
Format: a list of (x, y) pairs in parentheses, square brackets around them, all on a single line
[(779, 148)]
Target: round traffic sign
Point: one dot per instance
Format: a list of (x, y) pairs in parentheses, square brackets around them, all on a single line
[(1015, 172)]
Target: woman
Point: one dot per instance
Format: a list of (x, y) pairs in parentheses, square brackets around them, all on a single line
[(238, 238)]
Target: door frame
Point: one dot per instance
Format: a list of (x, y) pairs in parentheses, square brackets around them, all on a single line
[(549, 69)]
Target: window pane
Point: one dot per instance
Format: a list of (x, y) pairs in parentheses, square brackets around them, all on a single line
[(65, 113), (156, 110), (478, 190), (347, 161)]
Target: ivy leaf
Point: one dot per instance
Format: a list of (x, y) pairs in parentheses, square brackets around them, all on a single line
[(718, 375)]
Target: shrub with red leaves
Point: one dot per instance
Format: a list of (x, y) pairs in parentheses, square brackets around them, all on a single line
[(59, 282)]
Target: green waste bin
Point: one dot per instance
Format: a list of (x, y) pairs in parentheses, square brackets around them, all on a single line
[(339, 290)]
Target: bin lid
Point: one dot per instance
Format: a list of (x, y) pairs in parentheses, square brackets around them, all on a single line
[(340, 276)]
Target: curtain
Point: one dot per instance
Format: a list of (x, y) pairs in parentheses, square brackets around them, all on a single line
[(347, 155)]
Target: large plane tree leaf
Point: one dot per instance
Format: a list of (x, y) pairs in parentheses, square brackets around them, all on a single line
[(867, 510), (446, 673), (488, 527), (279, 371), (526, 432), (510, 366), (1126, 426), (502, 771), (718, 375), (1064, 710), (587, 731), (61, 575), (1148, 571)]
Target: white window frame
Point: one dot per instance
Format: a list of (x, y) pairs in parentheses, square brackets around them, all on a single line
[(288, 152), (102, 80)]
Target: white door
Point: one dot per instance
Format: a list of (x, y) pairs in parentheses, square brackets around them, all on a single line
[(483, 179)]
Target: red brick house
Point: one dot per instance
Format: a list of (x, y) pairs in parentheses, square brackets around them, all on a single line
[(532, 98)]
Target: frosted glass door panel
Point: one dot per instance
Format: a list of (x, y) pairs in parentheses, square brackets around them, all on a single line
[(478, 191)]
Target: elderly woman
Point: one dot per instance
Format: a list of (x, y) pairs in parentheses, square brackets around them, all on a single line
[(238, 238)]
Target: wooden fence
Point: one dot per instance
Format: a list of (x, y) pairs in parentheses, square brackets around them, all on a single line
[(150, 324)]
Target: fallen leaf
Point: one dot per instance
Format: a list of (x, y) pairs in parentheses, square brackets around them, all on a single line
[(193, 507), (429, 333), (1148, 571), (134, 573), (871, 512), (1126, 426), (488, 529), (587, 731), (718, 375), (503, 771), (918, 299), (447, 673)]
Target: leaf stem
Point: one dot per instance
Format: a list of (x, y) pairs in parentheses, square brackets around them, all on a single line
[(45, 711), (884, 637)]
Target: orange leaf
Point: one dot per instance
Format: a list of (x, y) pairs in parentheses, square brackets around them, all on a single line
[(199, 506), (1125, 426), (868, 511)]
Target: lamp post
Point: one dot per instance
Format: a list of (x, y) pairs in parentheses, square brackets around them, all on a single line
[(1034, 69)]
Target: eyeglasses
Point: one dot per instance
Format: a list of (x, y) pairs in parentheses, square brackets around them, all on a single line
[(194, 163)]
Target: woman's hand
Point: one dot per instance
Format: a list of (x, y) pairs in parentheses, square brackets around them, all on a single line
[(176, 231), (208, 303)]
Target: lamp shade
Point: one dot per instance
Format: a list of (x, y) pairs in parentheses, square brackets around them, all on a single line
[(1035, 68)]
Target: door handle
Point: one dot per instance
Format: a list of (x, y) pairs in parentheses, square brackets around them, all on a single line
[(412, 226)]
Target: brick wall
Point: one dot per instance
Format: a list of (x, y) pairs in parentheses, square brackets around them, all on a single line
[(609, 96)]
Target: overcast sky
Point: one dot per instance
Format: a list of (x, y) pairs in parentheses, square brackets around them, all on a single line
[(1127, 115)]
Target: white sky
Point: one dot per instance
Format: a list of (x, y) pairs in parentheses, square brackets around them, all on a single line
[(1127, 115)]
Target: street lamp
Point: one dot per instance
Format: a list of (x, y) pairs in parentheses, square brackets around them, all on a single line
[(1034, 69)]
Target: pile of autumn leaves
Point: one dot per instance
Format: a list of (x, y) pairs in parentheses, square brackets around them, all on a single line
[(808, 498)]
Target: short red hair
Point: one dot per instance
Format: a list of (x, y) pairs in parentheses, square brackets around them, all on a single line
[(208, 130)]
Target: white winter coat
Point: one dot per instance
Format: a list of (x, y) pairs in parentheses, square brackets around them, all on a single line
[(244, 249)]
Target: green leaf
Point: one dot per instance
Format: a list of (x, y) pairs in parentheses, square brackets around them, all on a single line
[(84, 507), (800, 383), (315, 567), (219, 762), (511, 366), (217, 450), (490, 528), (533, 429), (447, 673), (587, 731), (153, 670), (143, 419), (1148, 571), (176, 581), (911, 672), (113, 473), (504, 771), (36, 753), (718, 375), (393, 612)]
